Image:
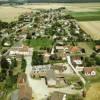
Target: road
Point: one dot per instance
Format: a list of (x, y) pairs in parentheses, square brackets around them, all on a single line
[(77, 73), (38, 86)]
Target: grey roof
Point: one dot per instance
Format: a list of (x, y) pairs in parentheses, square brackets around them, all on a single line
[(50, 75), (15, 95), (57, 96)]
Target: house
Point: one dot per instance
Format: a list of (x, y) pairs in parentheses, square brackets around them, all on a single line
[(89, 71), (15, 95), (7, 44), (57, 96), (75, 49), (21, 50), (97, 48), (59, 68), (46, 57), (51, 78), (78, 63), (79, 68), (59, 48), (25, 93), (40, 70), (77, 60), (21, 80), (60, 52)]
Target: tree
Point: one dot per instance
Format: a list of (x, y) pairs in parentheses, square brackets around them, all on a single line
[(93, 55), (21, 18), (23, 63), (14, 63), (97, 60), (29, 36), (4, 64), (12, 24), (89, 61), (3, 25), (37, 59)]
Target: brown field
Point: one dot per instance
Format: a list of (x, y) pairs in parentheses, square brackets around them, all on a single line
[(92, 28), (94, 92), (9, 13)]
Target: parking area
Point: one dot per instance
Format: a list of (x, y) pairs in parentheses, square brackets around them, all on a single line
[(40, 90)]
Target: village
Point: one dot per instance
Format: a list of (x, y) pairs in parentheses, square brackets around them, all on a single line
[(47, 56)]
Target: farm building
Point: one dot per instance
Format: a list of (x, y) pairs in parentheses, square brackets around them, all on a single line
[(89, 71)]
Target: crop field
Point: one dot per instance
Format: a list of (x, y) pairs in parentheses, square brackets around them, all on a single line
[(93, 92), (92, 28), (76, 7), (86, 16), (9, 13)]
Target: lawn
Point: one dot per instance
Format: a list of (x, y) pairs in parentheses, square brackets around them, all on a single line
[(40, 43), (86, 16), (71, 78)]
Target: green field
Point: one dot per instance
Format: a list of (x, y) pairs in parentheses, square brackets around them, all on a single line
[(86, 16), (39, 43)]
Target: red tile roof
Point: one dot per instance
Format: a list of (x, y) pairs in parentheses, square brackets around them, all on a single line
[(88, 69), (21, 78), (25, 93), (97, 46), (75, 49)]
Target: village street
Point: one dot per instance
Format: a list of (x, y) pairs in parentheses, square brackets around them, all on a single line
[(70, 63), (39, 88)]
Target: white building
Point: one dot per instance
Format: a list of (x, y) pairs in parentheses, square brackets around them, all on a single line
[(23, 50)]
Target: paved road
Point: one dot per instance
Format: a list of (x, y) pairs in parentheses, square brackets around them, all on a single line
[(77, 73)]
